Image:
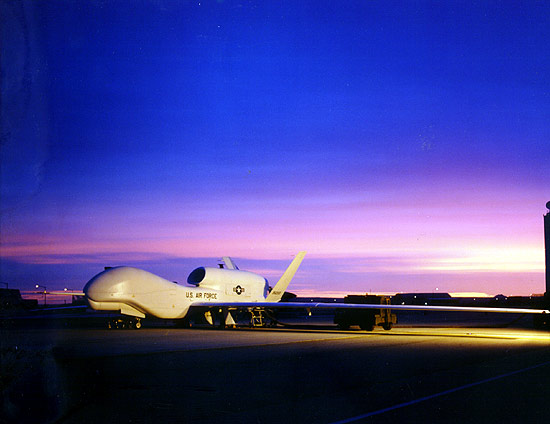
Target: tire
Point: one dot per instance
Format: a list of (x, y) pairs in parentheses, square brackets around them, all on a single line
[(366, 327), (387, 326), (367, 324)]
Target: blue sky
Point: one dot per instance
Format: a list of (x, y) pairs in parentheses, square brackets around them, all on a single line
[(403, 144)]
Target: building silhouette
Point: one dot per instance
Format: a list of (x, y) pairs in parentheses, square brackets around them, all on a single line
[(547, 248)]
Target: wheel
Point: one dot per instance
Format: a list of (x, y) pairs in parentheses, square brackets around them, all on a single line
[(367, 324), (137, 325), (387, 326)]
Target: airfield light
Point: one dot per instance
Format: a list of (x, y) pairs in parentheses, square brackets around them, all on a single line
[(44, 287)]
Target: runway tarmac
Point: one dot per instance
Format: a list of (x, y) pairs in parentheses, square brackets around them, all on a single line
[(409, 374)]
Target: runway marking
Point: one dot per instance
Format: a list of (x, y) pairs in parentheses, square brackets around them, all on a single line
[(443, 393), (470, 334)]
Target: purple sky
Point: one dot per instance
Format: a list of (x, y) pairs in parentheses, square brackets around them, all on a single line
[(404, 145)]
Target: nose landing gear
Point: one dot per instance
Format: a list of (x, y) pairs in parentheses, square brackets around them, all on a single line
[(124, 323)]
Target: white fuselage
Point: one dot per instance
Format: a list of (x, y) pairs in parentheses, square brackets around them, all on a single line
[(139, 293)]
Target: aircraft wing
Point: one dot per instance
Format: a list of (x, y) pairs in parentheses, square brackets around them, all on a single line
[(316, 305), (64, 293), (60, 308), (58, 293)]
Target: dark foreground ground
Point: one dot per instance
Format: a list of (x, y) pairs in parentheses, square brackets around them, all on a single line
[(486, 370)]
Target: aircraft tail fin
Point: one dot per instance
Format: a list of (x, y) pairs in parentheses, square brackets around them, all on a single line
[(277, 293)]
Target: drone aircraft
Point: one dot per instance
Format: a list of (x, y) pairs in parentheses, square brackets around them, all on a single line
[(217, 293)]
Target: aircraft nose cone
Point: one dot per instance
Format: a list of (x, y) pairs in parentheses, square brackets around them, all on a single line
[(104, 285)]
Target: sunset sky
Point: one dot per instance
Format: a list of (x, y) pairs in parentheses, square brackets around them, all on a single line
[(404, 145)]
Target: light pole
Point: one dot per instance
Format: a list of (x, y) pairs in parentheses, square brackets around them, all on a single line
[(69, 291), (44, 287)]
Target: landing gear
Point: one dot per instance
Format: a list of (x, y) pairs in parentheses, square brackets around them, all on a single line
[(124, 323)]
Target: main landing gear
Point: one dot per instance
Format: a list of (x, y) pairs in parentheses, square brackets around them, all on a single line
[(124, 323)]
